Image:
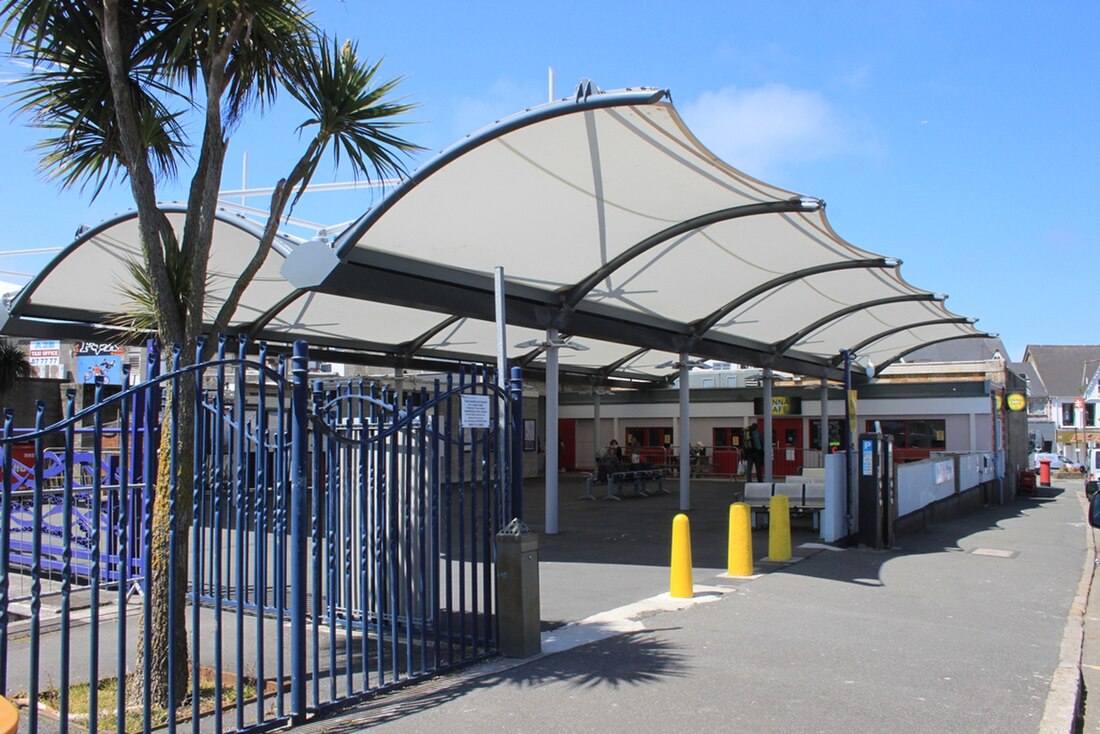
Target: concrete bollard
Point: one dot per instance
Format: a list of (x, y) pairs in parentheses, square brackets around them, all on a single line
[(680, 581), (779, 528), (739, 560)]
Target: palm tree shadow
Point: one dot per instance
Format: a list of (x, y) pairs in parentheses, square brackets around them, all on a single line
[(630, 659)]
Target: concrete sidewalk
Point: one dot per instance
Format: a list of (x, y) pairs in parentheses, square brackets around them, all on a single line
[(962, 628)]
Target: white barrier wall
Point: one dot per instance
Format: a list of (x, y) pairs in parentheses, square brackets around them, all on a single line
[(920, 483)]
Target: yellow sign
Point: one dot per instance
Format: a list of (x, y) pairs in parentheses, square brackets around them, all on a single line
[(1016, 401), (852, 421), (997, 401), (781, 406)]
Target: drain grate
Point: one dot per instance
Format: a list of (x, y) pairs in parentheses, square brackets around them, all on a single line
[(995, 553)]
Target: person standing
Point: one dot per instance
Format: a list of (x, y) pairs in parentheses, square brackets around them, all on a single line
[(755, 453)]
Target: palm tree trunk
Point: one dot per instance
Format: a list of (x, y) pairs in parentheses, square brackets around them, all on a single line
[(163, 557)]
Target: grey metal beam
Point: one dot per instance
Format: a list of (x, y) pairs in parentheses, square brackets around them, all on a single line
[(781, 347), (705, 324), (888, 332), (902, 355), (571, 298), (413, 346), (451, 291)]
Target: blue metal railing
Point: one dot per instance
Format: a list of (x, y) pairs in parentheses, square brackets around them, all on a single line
[(339, 541)]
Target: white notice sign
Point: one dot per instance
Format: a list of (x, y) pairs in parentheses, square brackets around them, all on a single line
[(475, 411), (45, 353)]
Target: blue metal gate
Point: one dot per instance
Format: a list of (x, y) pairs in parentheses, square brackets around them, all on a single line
[(341, 541)]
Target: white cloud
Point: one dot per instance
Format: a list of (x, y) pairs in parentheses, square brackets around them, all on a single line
[(762, 130)]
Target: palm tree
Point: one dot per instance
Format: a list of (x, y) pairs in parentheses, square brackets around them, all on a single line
[(112, 82), (13, 365)]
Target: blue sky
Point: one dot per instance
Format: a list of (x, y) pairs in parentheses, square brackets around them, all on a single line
[(960, 137)]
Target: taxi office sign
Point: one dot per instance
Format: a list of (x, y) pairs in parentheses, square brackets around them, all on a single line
[(1016, 401), (781, 405)]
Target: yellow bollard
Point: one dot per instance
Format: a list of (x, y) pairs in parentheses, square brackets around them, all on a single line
[(9, 717), (680, 584), (779, 528), (739, 561)]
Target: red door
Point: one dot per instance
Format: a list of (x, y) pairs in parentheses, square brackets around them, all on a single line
[(567, 448), (787, 440)]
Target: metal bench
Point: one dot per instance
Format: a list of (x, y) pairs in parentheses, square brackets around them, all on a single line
[(640, 478), (806, 498)]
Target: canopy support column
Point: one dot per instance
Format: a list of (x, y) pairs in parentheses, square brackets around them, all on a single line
[(685, 434), (824, 419), (398, 390), (552, 439), (597, 439), (849, 439), (769, 441)]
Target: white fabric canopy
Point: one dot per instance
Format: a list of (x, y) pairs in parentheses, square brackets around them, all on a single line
[(613, 225)]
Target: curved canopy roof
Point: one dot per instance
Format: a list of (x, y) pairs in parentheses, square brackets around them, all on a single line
[(612, 224)]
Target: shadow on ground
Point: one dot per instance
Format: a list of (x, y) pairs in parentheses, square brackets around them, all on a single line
[(638, 531), (632, 659)]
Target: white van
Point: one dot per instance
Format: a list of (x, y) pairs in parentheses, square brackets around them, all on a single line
[(1093, 466)]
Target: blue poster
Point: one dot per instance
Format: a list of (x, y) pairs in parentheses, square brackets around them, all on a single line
[(106, 366), (868, 452)]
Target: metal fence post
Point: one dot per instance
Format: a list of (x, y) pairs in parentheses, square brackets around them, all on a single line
[(516, 391), (298, 529), (5, 548)]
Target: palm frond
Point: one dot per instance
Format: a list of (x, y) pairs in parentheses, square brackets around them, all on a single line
[(140, 316), (187, 38), (351, 110), (14, 365), (68, 93)]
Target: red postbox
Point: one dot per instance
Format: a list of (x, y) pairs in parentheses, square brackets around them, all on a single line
[(1044, 472)]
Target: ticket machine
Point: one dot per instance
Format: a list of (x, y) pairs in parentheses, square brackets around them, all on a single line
[(878, 497)]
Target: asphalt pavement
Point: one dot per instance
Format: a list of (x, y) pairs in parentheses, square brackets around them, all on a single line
[(979, 624)]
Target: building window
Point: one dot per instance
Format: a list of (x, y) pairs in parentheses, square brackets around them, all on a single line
[(650, 438), (836, 431), (920, 433), (1069, 415), (726, 438)]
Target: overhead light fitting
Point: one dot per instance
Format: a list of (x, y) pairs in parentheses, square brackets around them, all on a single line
[(691, 364), (566, 343)]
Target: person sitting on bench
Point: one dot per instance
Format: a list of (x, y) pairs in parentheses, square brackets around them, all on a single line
[(608, 460)]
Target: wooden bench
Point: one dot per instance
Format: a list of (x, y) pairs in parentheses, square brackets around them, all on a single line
[(806, 498)]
